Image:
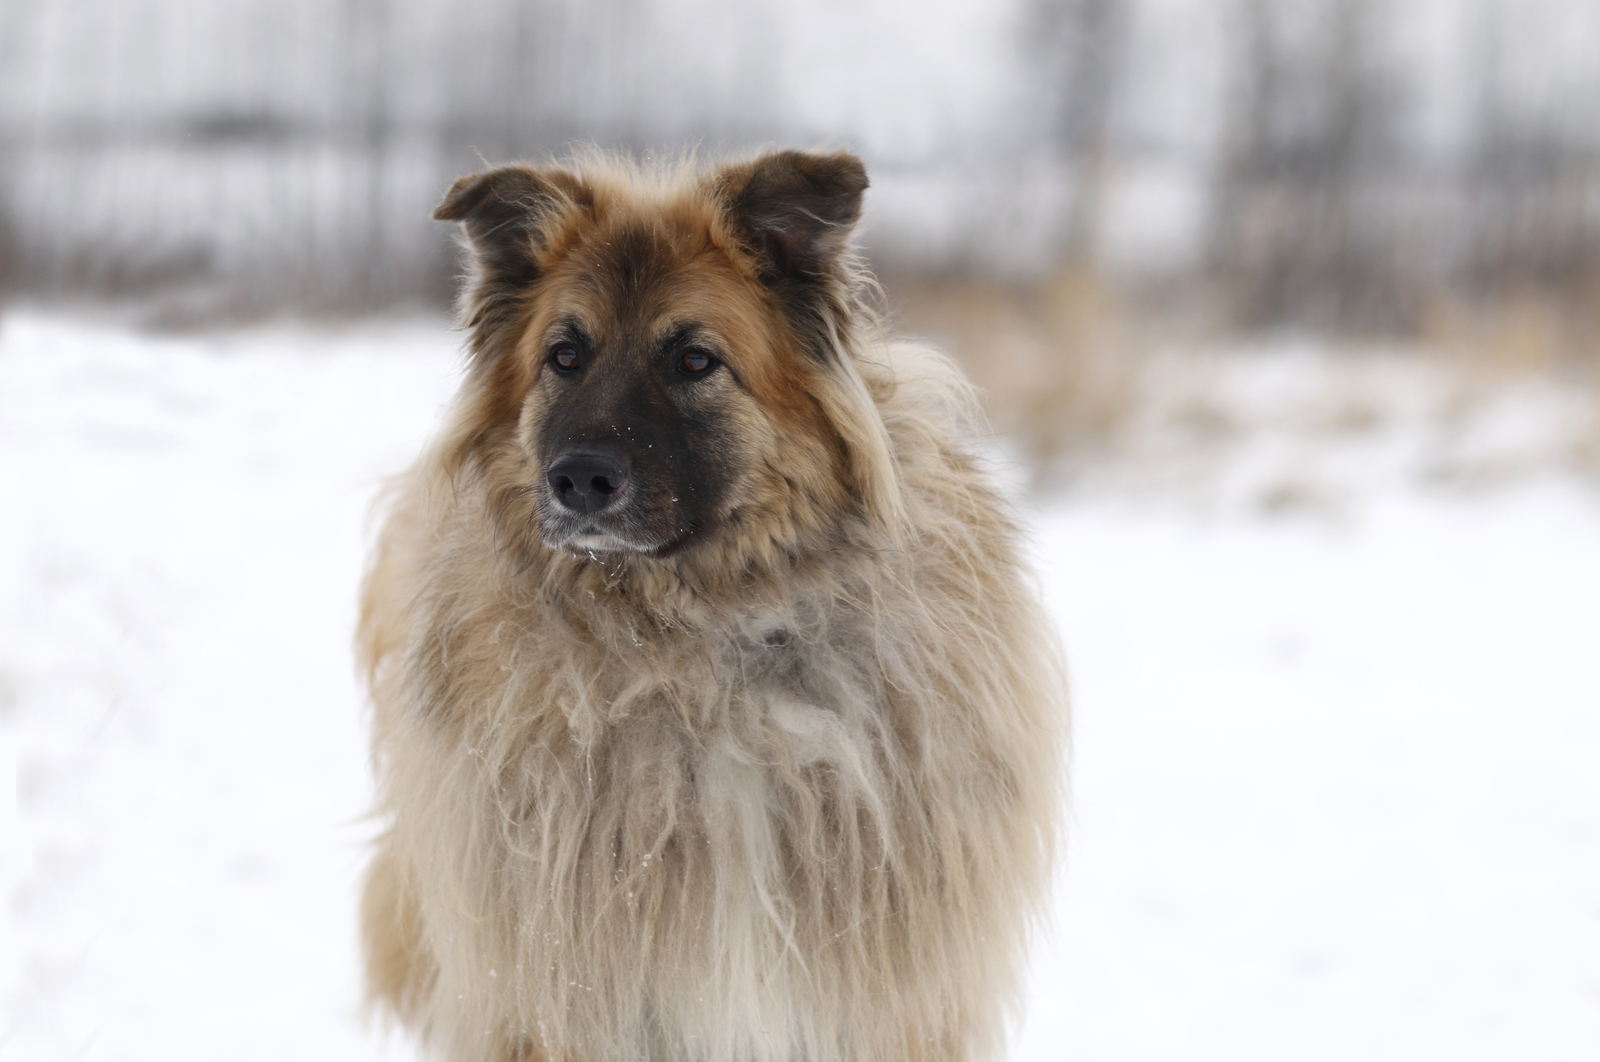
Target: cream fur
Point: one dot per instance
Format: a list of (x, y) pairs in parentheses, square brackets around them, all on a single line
[(750, 805)]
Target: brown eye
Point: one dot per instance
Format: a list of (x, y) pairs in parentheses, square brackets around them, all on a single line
[(565, 357), (694, 362)]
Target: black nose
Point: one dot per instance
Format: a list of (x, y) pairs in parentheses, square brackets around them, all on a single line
[(586, 483)]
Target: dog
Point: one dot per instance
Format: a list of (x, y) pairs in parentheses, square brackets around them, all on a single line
[(715, 716)]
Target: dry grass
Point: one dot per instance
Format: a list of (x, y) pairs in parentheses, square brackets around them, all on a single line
[(1093, 385), (1061, 364), (1522, 340)]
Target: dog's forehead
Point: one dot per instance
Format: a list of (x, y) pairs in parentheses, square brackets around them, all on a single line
[(647, 274), (629, 246)]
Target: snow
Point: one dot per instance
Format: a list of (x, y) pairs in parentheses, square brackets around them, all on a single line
[(1335, 782), (1337, 794)]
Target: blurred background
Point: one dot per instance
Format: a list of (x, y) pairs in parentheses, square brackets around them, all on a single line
[(1065, 183), (1344, 164), (1287, 314)]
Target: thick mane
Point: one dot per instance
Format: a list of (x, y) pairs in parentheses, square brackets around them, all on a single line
[(771, 799)]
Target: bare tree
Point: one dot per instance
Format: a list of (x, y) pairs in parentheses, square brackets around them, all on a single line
[(1082, 45), (17, 18), (1530, 183), (1302, 228)]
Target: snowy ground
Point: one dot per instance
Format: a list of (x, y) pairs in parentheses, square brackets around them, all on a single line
[(1337, 793)]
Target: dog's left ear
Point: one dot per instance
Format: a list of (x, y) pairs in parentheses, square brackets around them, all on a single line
[(794, 210)]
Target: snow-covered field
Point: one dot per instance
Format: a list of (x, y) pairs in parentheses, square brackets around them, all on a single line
[(1337, 778)]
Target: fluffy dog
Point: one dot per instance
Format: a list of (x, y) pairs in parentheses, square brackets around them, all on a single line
[(715, 720)]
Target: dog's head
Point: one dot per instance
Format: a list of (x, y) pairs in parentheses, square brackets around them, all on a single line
[(661, 362)]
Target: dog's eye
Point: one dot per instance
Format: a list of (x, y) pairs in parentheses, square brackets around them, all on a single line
[(694, 362), (564, 356)]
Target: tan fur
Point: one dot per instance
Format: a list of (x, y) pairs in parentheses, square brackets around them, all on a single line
[(788, 795)]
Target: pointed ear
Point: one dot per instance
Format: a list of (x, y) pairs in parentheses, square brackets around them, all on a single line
[(507, 214), (794, 210), (506, 211)]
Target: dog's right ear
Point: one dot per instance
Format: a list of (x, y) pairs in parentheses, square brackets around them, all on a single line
[(507, 214)]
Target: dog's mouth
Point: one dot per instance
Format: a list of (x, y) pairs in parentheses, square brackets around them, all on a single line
[(591, 543), (590, 540), (632, 528)]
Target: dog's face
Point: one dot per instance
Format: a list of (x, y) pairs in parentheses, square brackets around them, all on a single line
[(641, 415), (650, 366)]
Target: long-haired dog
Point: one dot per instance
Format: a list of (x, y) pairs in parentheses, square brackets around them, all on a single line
[(715, 719)]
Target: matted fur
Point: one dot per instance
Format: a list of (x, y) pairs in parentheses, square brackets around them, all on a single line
[(784, 794)]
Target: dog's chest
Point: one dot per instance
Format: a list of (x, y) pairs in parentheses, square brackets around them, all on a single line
[(706, 770), (718, 833)]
